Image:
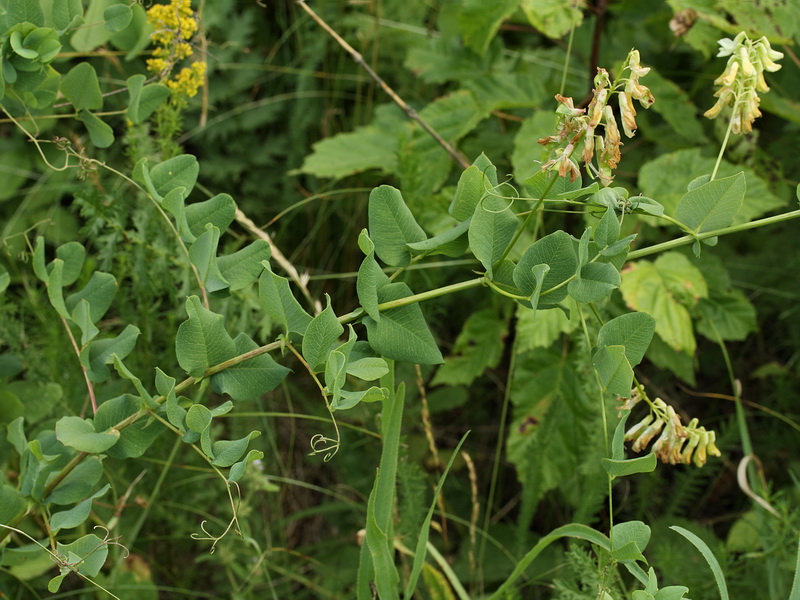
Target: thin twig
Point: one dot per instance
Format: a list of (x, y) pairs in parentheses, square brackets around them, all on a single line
[(285, 264), (459, 158)]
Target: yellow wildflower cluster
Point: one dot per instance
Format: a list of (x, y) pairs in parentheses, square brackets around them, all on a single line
[(174, 26), (743, 79), (189, 80), (577, 125)]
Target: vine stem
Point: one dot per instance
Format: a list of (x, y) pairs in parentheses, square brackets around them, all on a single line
[(89, 385), (459, 158)]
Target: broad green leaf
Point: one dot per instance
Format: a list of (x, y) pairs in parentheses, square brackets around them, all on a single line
[(203, 255), (321, 334), (87, 553), (141, 173), (12, 504), (625, 467), (675, 592), (237, 470), (371, 147), (136, 438), (478, 347), (99, 293), (179, 171), (80, 86), (144, 99), (126, 373), (504, 91), (667, 177), (713, 564), (729, 315), (556, 250), (666, 289), (451, 242), (99, 353), (69, 519), (537, 184), (251, 378), (370, 277), (474, 183), (219, 211), (607, 230), (244, 266), (100, 133), (86, 39), (554, 18), (348, 399), (480, 20), (73, 254), (402, 333), (368, 368), (491, 230), (66, 13), (227, 452), (80, 316), (280, 304), (551, 431), (392, 226), (54, 288), (634, 331), (174, 203), (595, 282), (198, 418), (24, 11), (117, 17), (618, 441), (634, 532), (614, 370), (80, 434), (202, 341), (712, 205), (336, 367)]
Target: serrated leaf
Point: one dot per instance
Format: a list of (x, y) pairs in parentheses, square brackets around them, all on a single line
[(666, 289), (712, 205), (402, 333), (136, 438), (251, 378), (218, 211), (81, 87), (202, 341), (491, 230), (179, 171), (321, 334), (80, 434), (99, 293), (614, 370), (100, 132), (244, 266), (554, 18), (634, 331), (280, 304), (480, 20), (392, 226), (729, 315)]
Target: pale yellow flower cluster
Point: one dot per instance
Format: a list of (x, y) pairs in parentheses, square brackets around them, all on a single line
[(578, 125), (174, 26), (743, 78), (677, 444)]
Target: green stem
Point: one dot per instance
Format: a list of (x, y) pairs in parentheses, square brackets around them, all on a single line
[(566, 62), (724, 144), (688, 239)]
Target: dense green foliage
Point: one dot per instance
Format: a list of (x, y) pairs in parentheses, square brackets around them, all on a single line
[(481, 306)]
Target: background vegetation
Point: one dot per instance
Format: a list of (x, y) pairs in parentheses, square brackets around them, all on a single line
[(299, 134)]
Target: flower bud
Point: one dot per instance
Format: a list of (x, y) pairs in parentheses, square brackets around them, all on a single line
[(628, 114), (700, 454), (648, 434)]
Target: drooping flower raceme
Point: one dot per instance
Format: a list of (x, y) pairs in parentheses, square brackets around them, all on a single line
[(743, 79)]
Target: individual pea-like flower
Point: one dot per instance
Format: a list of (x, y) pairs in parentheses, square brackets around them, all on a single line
[(743, 79)]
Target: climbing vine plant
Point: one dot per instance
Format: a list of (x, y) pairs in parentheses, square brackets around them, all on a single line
[(351, 358)]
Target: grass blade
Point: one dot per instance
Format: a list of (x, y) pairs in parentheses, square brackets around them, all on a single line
[(710, 559)]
